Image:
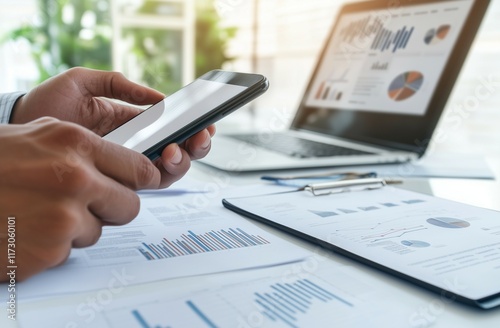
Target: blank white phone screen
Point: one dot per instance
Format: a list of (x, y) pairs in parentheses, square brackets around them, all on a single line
[(172, 113)]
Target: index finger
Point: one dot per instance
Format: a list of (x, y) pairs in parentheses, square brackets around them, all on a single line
[(126, 166)]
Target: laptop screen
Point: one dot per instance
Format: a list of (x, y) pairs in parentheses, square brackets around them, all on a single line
[(387, 69)]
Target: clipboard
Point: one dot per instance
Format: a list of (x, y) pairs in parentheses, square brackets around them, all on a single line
[(438, 244)]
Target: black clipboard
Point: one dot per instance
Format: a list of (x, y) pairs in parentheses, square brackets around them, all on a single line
[(326, 190)]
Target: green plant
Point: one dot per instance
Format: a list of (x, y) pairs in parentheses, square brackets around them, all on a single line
[(68, 33), (158, 54), (152, 47), (71, 33), (211, 39)]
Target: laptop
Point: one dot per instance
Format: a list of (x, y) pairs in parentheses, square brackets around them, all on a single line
[(376, 94)]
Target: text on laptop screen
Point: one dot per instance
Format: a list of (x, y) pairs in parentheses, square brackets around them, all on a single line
[(388, 61)]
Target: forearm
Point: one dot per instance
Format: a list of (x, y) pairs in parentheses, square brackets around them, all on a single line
[(7, 102)]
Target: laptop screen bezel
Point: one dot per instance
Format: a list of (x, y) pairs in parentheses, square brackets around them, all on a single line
[(392, 131)]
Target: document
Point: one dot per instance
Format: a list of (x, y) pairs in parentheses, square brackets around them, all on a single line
[(285, 296), (171, 237), (435, 166), (440, 244)]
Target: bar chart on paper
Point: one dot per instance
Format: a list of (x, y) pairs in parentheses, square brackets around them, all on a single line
[(199, 318), (167, 241), (192, 243), (300, 302)]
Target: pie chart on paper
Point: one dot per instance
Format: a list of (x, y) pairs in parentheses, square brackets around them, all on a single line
[(405, 85), (415, 243), (449, 223)]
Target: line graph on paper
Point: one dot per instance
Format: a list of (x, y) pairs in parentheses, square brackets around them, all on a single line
[(391, 233), (392, 228), (377, 233)]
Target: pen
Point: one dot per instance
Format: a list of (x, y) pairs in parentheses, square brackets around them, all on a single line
[(329, 175), (348, 185)]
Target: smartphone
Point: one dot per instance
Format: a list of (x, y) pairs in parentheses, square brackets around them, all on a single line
[(188, 111)]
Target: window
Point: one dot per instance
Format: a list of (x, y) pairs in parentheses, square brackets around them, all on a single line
[(291, 33)]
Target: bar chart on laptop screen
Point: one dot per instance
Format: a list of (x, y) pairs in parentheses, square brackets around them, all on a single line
[(387, 63), (383, 39)]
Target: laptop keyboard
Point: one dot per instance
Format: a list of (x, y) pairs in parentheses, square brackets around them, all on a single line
[(297, 147)]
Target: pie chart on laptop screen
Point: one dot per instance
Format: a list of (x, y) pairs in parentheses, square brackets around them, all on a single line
[(434, 36), (405, 85)]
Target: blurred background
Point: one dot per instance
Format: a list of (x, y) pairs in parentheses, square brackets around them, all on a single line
[(167, 43)]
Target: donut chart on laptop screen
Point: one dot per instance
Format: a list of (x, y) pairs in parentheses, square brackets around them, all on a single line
[(405, 85)]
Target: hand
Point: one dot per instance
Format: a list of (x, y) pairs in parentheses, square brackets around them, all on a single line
[(77, 96), (62, 183)]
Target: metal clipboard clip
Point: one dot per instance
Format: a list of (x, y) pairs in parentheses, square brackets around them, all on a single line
[(336, 187)]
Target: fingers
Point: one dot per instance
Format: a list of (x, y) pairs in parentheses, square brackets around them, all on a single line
[(211, 129), (173, 164), (113, 85), (77, 146), (112, 115), (199, 145), (126, 166), (114, 203), (89, 230), (175, 161)]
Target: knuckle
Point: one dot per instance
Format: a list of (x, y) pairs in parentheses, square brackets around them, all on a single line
[(71, 133), (80, 180), (94, 237), (73, 146), (135, 206), (118, 75), (112, 77), (61, 224), (146, 172), (46, 120), (60, 134), (75, 71), (60, 255), (46, 258)]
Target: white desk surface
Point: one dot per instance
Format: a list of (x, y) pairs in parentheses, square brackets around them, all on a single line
[(428, 306)]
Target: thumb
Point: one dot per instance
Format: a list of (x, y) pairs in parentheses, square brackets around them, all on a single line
[(115, 115)]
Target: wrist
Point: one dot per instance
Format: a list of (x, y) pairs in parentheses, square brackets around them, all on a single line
[(15, 115)]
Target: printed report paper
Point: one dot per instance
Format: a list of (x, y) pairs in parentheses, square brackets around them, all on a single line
[(449, 245), (284, 296), (170, 238)]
